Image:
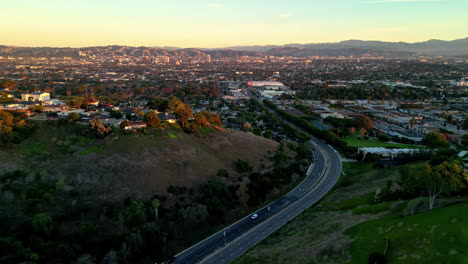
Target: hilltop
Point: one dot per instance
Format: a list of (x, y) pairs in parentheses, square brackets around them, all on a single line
[(136, 164)]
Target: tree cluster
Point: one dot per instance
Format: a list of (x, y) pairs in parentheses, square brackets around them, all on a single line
[(436, 140), (434, 180), (13, 127), (327, 136)]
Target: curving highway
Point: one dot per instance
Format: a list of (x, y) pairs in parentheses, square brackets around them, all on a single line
[(231, 242)]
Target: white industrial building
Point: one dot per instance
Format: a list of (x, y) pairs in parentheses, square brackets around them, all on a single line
[(389, 153), (35, 97)]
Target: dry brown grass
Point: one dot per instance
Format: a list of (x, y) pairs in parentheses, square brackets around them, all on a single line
[(144, 165)]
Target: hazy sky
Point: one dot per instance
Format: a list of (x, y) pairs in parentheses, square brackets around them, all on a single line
[(206, 23)]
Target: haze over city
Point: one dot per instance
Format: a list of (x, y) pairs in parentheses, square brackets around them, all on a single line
[(215, 24)]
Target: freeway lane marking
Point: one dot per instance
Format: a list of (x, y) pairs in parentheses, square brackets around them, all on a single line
[(323, 154), (199, 244), (267, 224)]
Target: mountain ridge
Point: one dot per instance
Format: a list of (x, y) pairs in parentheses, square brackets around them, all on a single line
[(435, 47), (352, 47)]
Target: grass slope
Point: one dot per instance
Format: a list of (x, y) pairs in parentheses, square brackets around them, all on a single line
[(136, 164), (437, 236)]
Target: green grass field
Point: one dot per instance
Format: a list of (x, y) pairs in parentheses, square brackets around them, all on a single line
[(437, 236), (348, 225), (92, 149), (374, 143)]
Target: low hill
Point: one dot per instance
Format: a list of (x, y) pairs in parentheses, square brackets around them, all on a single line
[(136, 197), (356, 52), (433, 47), (136, 164)]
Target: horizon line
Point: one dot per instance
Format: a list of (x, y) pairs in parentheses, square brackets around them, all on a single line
[(226, 47)]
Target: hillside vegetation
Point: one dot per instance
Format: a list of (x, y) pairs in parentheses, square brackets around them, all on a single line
[(438, 236), (69, 195), (135, 164)]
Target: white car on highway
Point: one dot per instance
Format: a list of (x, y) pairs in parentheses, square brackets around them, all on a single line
[(254, 216)]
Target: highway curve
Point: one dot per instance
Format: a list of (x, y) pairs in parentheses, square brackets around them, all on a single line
[(231, 242)]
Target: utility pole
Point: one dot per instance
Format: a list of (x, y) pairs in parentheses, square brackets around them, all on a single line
[(224, 234)]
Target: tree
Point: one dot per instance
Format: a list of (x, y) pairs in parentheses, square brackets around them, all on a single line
[(115, 114), (156, 203), (99, 129), (201, 120), (183, 112), (194, 215), (365, 122), (464, 140), (76, 101), (242, 166), (412, 122), (216, 196), (450, 118), (247, 126), (174, 103), (435, 140), (124, 124), (8, 84), (84, 259), (159, 104), (134, 216), (110, 258), (73, 117), (435, 180), (6, 125), (140, 114), (152, 119), (37, 108), (268, 133), (42, 223)]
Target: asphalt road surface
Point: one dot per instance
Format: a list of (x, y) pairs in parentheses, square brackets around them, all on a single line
[(231, 242)]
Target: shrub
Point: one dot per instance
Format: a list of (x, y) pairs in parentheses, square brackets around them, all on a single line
[(242, 166)]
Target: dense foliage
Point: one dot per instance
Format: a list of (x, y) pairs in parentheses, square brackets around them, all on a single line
[(327, 136), (13, 128)]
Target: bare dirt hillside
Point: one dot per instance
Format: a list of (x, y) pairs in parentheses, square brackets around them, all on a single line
[(138, 164)]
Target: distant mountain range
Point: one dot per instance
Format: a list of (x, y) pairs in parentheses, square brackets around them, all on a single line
[(433, 47), (356, 48)]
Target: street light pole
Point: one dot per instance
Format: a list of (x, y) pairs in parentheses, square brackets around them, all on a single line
[(224, 234)]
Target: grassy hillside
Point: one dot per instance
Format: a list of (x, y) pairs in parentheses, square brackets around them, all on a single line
[(438, 236), (68, 196), (136, 164), (348, 225)]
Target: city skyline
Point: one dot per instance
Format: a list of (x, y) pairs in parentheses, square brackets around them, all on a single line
[(218, 24)]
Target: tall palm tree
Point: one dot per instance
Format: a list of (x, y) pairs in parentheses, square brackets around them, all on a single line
[(156, 203)]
